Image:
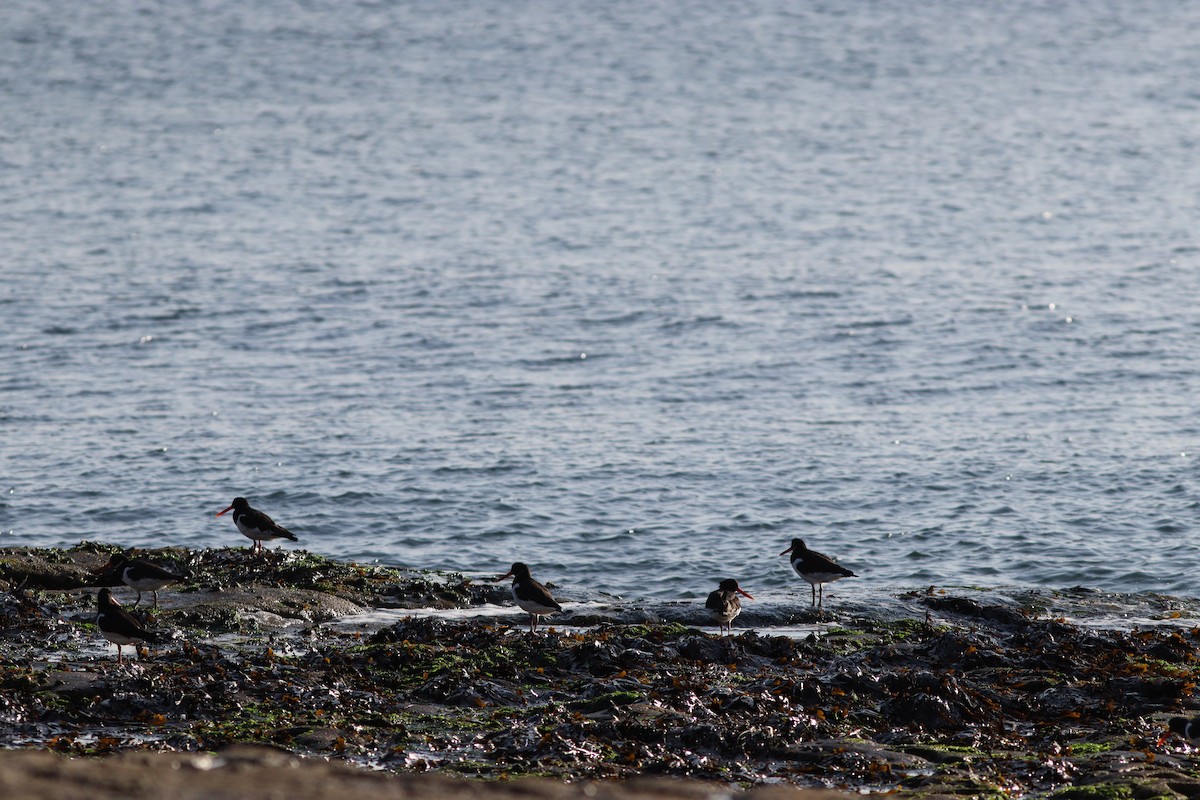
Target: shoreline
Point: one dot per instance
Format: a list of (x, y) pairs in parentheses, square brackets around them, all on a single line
[(929, 694)]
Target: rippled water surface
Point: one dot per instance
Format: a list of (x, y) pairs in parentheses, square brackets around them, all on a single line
[(634, 292)]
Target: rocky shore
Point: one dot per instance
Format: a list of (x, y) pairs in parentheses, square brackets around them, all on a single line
[(328, 668)]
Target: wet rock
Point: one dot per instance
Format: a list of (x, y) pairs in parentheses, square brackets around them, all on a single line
[(822, 750), (51, 569), (977, 702), (266, 605), (424, 630), (251, 773), (74, 683), (961, 650), (967, 607), (704, 649)]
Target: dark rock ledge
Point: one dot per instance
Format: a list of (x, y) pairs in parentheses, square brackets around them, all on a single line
[(926, 694)]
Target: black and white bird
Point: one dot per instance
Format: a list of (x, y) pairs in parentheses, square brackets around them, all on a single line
[(724, 604), (118, 625), (140, 574), (1187, 728), (530, 595), (255, 524), (816, 569)]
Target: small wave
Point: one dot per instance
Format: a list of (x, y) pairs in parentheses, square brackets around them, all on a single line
[(869, 324), (353, 496), (482, 469), (564, 244), (619, 319), (555, 361), (400, 202), (797, 294), (199, 208), (696, 322)]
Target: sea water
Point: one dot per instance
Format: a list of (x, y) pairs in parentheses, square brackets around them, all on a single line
[(634, 292)]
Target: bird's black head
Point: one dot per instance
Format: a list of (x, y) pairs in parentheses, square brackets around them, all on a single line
[(105, 597), (238, 504), (518, 571), (797, 549), (115, 562), (728, 585), (1178, 725)]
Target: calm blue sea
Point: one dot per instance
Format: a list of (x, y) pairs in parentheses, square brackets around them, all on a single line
[(634, 292)]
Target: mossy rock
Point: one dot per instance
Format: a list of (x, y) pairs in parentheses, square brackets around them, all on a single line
[(1088, 748), (52, 568), (610, 700), (1097, 791)]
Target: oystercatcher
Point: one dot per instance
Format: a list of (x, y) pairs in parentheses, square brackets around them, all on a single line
[(255, 524), (815, 568), (529, 594), (1187, 728), (140, 574), (724, 604), (118, 625)]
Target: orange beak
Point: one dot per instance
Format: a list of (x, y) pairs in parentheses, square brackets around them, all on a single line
[(219, 513)]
